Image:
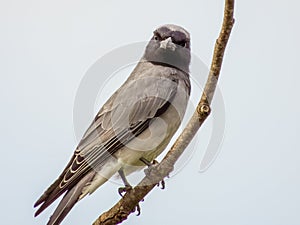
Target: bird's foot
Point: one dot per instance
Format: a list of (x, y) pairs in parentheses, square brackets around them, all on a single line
[(138, 209), (162, 183), (152, 165), (125, 189)]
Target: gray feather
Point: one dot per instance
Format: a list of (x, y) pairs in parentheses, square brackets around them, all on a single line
[(146, 94), (69, 200)]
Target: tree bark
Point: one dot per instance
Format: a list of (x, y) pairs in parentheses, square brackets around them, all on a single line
[(122, 209)]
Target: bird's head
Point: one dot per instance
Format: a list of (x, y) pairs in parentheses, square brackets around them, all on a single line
[(170, 44)]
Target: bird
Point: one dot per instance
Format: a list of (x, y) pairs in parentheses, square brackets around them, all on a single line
[(133, 127)]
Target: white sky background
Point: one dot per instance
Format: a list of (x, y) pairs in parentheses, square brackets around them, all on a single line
[(47, 46)]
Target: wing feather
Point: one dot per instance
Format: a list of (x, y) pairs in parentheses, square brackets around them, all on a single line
[(125, 115)]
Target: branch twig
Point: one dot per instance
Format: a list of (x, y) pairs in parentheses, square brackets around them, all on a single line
[(128, 203)]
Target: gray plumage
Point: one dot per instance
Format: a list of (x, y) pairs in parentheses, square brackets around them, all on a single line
[(138, 120)]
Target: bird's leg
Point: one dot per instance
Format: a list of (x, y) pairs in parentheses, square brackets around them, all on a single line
[(151, 164), (147, 162), (127, 187), (125, 181)]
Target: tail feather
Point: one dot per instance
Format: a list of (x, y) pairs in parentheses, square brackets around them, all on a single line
[(69, 200), (46, 194), (52, 193), (48, 201)]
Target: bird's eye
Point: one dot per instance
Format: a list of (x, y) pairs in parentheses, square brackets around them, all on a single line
[(182, 44), (156, 37)]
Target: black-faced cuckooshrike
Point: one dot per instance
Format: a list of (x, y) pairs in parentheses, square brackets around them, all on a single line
[(133, 127)]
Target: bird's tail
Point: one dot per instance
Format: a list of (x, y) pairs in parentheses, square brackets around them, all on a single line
[(69, 200)]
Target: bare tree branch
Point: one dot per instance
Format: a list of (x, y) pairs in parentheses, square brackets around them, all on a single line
[(120, 211)]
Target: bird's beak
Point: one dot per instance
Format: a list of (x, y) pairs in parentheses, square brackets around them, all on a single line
[(167, 44)]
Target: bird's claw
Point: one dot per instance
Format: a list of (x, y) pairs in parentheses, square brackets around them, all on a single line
[(162, 183), (151, 165), (125, 189), (138, 209)]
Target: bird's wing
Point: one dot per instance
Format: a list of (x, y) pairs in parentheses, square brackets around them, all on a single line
[(125, 115)]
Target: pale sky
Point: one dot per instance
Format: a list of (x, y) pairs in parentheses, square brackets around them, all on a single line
[(47, 48)]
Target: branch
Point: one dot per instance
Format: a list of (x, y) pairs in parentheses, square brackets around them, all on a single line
[(120, 211)]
